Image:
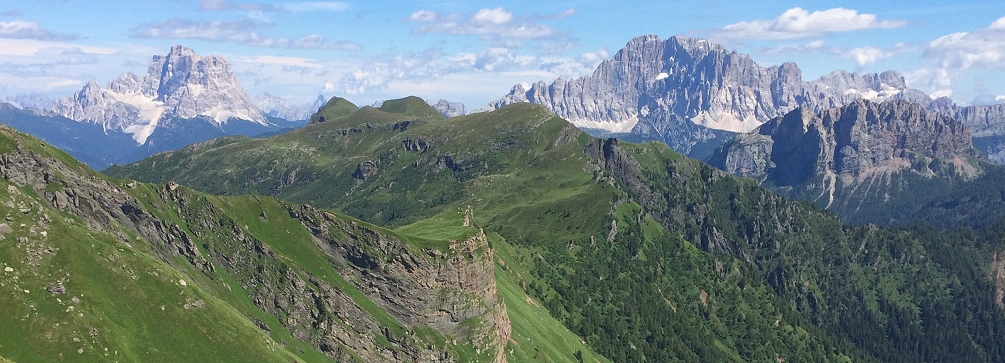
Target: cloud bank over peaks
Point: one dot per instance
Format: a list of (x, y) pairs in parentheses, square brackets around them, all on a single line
[(964, 50), (799, 23), (955, 55), (20, 29), (238, 31), (486, 23), (224, 5), (433, 63)]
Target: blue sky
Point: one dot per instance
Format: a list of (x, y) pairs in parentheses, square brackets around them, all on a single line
[(475, 51)]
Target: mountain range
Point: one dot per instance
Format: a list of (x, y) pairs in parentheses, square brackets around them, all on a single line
[(694, 94)]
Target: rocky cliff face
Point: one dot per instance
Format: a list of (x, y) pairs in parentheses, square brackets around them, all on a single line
[(655, 87), (833, 156), (179, 85), (446, 290)]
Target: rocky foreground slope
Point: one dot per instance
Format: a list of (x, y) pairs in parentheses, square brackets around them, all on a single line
[(99, 269)]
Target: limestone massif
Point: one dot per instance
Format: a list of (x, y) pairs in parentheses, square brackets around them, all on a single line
[(683, 90), (182, 99), (179, 85)]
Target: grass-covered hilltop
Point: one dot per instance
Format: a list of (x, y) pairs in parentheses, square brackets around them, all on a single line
[(393, 234)]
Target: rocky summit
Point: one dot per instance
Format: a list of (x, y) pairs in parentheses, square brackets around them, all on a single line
[(658, 88), (179, 85)]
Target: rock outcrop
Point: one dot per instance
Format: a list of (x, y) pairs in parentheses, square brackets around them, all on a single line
[(179, 85), (828, 155), (446, 290)]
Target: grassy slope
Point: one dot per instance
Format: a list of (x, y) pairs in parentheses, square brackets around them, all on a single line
[(133, 302), (412, 106), (335, 108), (136, 302)]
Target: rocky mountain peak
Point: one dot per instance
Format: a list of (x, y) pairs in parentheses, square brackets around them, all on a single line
[(179, 85), (126, 83), (696, 47)]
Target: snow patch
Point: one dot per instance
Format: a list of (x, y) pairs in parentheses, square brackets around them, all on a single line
[(612, 126), (222, 115), (195, 89), (885, 91), (726, 122), (150, 112)]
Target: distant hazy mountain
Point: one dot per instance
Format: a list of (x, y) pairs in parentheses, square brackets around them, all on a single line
[(450, 109), (687, 91), (184, 98), (279, 107), (30, 101)]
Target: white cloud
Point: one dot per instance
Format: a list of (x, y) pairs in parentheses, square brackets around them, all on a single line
[(62, 84), (242, 31), (487, 23), (28, 47), (423, 16), (937, 82), (222, 5), (814, 46), (277, 60), (868, 55), (955, 55), (432, 64), (798, 23), (20, 29), (979, 48), (998, 24), (316, 6), (941, 93)]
